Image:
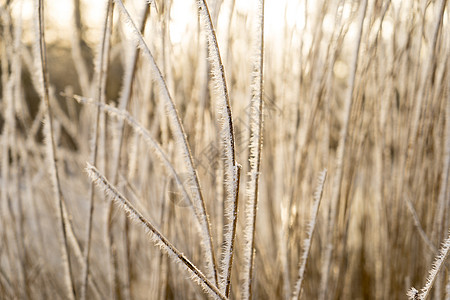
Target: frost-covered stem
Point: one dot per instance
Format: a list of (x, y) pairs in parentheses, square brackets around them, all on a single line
[(340, 154), (221, 84), (51, 156), (231, 206), (432, 275), (227, 139), (256, 140), (100, 94), (126, 92), (180, 137), (157, 237), (123, 115), (307, 242), (75, 246), (233, 231)]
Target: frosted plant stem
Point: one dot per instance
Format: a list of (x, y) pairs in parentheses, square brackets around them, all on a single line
[(51, 156), (142, 132), (100, 94), (128, 80), (157, 237), (233, 233), (75, 245), (256, 138), (439, 261), (218, 74), (180, 138), (227, 141), (126, 93), (307, 242)]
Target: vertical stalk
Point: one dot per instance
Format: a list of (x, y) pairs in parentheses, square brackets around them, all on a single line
[(340, 155), (232, 168), (256, 133), (51, 149), (100, 94), (180, 138)]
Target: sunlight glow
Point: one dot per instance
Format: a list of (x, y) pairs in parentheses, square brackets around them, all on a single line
[(181, 13)]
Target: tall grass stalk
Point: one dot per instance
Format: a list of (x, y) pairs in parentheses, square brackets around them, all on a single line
[(418, 225), (433, 274), (442, 202), (340, 154), (100, 94), (126, 92), (424, 81), (208, 76), (232, 169), (296, 294), (157, 237), (51, 152), (180, 137), (123, 115), (256, 137)]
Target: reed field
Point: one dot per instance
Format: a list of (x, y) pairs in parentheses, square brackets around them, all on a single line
[(224, 149)]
